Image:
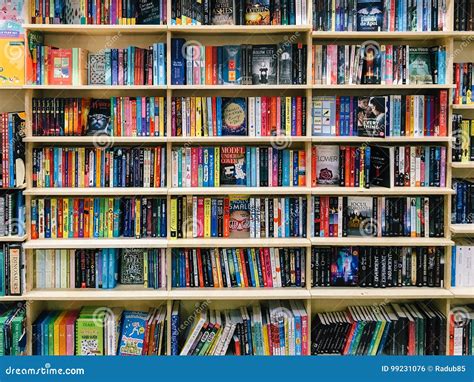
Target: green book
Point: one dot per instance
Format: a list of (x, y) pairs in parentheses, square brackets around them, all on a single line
[(90, 332)]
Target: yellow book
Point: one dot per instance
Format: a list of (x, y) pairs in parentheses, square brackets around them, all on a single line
[(217, 164), (198, 117), (362, 169), (207, 217), (192, 109), (174, 218), (110, 218), (57, 320), (255, 270), (266, 347), (145, 269), (82, 169), (378, 338), (215, 341), (91, 218), (240, 266), (98, 167), (162, 116), (333, 15), (12, 61), (205, 126), (218, 267), (65, 218), (465, 141), (288, 116), (138, 217)]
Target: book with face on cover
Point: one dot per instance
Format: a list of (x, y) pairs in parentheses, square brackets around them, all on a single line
[(132, 337), (264, 65), (239, 222)]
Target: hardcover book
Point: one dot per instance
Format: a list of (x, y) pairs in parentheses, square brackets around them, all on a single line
[(90, 332), (420, 66), (234, 116), (223, 12), (360, 213), (369, 15), (72, 10), (264, 65), (239, 222), (257, 12), (231, 71), (327, 165), (133, 333), (131, 266), (60, 71), (19, 132), (345, 267), (233, 166), (285, 64), (148, 12), (98, 120), (381, 166), (371, 116), (96, 69), (372, 65)]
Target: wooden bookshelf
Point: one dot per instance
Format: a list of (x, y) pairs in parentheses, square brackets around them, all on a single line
[(316, 299)]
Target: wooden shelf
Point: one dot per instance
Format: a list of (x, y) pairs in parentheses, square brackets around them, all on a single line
[(462, 292), (328, 190), (469, 106), (103, 191), (16, 239), (386, 140), (281, 140), (383, 87), (239, 29), (96, 87), (382, 241), (462, 35), (238, 87), (462, 165), (96, 29), (94, 243), (100, 140), (22, 187), (353, 35), (462, 229), (239, 191), (12, 298), (121, 293), (394, 293), (238, 293), (233, 242)]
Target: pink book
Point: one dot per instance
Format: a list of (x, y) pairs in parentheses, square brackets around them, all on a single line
[(275, 168), (196, 65), (270, 166), (388, 65), (120, 67), (173, 119), (264, 116), (442, 182), (194, 166), (268, 267), (143, 100), (70, 332), (278, 109), (304, 333), (200, 217)]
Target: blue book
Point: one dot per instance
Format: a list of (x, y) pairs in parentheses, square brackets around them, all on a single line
[(2, 272), (295, 167), (427, 166), (252, 275), (453, 266), (219, 115), (253, 167), (441, 66), (108, 67), (213, 217), (209, 117), (211, 181), (205, 167), (163, 218), (384, 337), (234, 116), (96, 217), (287, 217), (231, 71), (175, 330), (236, 268), (155, 64), (286, 165), (114, 67), (248, 162), (220, 78), (113, 268), (105, 268), (133, 332)]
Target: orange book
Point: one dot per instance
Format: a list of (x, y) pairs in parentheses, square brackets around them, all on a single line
[(87, 217), (451, 334), (200, 270), (63, 334), (60, 66), (226, 217), (273, 115), (209, 65), (244, 268), (314, 160), (443, 113), (157, 166), (302, 168), (299, 116), (75, 216)]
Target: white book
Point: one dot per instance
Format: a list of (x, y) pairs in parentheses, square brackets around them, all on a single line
[(273, 266), (298, 11), (258, 116), (251, 116), (174, 166), (277, 268), (188, 166), (270, 167), (195, 224), (304, 12), (267, 217), (198, 323), (64, 268), (276, 215), (252, 217)]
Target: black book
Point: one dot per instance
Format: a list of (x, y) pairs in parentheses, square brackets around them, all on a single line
[(264, 65), (148, 12), (381, 166)]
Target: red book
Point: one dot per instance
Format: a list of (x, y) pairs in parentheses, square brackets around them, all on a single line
[(443, 113), (304, 335), (268, 267), (186, 256), (60, 67), (226, 217), (273, 115), (241, 255), (214, 116), (457, 81), (263, 266), (407, 166), (194, 166), (352, 166), (264, 117), (200, 217), (338, 115), (199, 265), (347, 165)]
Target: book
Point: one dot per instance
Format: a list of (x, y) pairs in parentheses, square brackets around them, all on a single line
[(132, 337), (239, 217), (381, 170), (345, 267), (420, 66), (257, 12), (327, 165), (98, 119), (371, 112), (223, 12), (264, 65), (12, 61), (89, 332), (233, 170), (360, 216), (234, 113), (369, 15)]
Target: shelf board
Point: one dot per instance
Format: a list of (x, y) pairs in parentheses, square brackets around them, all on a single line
[(383, 87), (238, 87), (239, 29), (462, 165), (469, 106), (12, 298), (95, 87), (103, 191), (16, 239), (101, 141), (10, 87), (121, 292), (382, 241), (22, 187), (239, 191), (386, 140), (462, 292), (96, 29), (461, 35), (462, 229), (279, 141), (238, 293), (380, 35), (94, 243), (328, 190), (241, 242), (395, 293)]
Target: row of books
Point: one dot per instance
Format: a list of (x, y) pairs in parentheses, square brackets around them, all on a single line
[(388, 329), (13, 328), (238, 268), (196, 64), (12, 214), (461, 330), (239, 12), (276, 328), (237, 217), (12, 270), (462, 78), (382, 166), (139, 217), (463, 145), (377, 267), (462, 264), (107, 12), (463, 15), (381, 116), (247, 116), (128, 66), (337, 216), (237, 166), (99, 268), (462, 202), (100, 331), (378, 64), (99, 167), (116, 116), (12, 149), (376, 16)]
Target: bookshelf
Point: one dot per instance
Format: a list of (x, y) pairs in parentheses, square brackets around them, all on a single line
[(96, 37)]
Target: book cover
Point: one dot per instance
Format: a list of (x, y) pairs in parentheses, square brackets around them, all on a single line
[(327, 165), (148, 12), (98, 120), (233, 166), (369, 15), (345, 267), (72, 11), (420, 71), (234, 113), (257, 12), (96, 69), (60, 70), (360, 216), (132, 336), (231, 70), (239, 222), (19, 132), (132, 266), (223, 12), (371, 116), (12, 61), (381, 163), (372, 65), (90, 334), (13, 15), (285, 64), (264, 65)]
